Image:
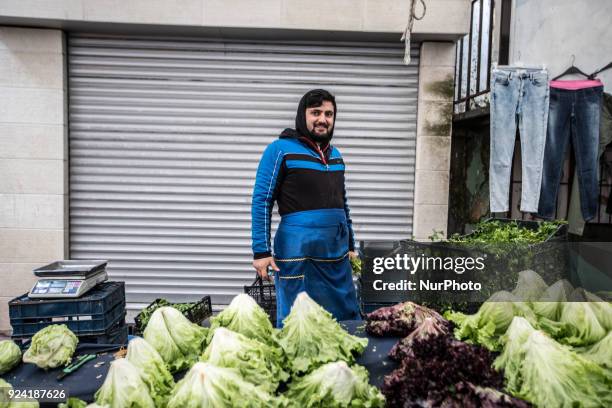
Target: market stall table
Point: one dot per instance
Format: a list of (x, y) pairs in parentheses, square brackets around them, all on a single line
[(82, 384), (89, 378), (374, 358)]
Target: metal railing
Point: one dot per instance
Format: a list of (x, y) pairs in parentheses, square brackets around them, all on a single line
[(474, 56)]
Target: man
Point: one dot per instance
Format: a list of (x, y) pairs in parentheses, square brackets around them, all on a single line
[(304, 174)]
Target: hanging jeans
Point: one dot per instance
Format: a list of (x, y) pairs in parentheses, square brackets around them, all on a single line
[(311, 251), (517, 95), (574, 218), (573, 114)]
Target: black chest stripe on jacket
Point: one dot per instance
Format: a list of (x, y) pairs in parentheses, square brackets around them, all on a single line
[(314, 159), (302, 189)]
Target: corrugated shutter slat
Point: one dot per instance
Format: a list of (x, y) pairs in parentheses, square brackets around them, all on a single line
[(166, 134)]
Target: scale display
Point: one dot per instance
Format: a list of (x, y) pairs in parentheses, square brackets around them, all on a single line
[(66, 286), (56, 287)]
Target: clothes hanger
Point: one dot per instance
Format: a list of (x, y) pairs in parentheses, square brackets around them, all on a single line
[(600, 70), (571, 70)]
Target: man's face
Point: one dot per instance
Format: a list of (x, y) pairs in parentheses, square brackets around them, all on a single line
[(320, 121)]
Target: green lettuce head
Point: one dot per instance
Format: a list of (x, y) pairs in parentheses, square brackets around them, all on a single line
[(511, 358), (5, 389), (312, 337), (548, 374), (209, 386), (5, 400), (178, 341), (335, 385), (10, 355), (124, 387), (491, 321), (583, 327), (51, 347), (73, 403), (600, 352), (554, 376), (153, 370), (245, 316), (256, 362), (529, 287), (601, 308), (549, 305)]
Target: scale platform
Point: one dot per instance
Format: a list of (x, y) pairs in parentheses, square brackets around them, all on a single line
[(68, 278)]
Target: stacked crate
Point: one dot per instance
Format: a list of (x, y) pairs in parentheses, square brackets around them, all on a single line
[(97, 317)]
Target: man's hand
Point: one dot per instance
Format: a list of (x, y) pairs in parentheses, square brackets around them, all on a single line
[(353, 255), (261, 266)]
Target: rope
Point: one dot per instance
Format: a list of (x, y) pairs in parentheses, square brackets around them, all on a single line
[(411, 17)]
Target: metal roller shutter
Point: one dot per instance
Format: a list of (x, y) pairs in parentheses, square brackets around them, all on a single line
[(166, 134)]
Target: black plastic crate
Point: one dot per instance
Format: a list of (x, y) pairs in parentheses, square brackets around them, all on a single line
[(265, 296), (99, 300), (389, 249), (112, 332), (115, 335), (79, 326), (196, 313), (548, 258), (92, 313)]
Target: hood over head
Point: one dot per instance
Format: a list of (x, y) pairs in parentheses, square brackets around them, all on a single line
[(310, 99)]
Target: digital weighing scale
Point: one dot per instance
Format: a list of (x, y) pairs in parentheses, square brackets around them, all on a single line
[(68, 279)]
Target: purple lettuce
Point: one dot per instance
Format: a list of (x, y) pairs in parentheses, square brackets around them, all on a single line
[(429, 329), (436, 364), (467, 395), (400, 320)]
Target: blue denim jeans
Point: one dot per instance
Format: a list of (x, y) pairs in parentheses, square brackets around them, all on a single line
[(574, 217), (573, 114), (518, 97)]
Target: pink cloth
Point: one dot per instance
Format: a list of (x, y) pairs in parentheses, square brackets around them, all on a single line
[(574, 84)]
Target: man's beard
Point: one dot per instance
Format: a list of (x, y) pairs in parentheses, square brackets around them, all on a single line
[(324, 138), (320, 138)]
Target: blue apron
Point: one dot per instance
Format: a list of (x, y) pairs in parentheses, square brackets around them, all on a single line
[(311, 251)]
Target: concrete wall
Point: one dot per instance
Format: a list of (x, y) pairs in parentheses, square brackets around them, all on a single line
[(33, 159), (550, 31), (443, 16), (434, 119)]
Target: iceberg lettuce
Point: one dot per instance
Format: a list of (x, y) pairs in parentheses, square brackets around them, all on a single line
[(549, 304), (510, 359), (10, 355), (178, 341), (529, 287), (312, 337), (73, 403), (583, 327), (491, 321), (124, 387), (335, 385), (51, 347), (209, 386), (600, 352), (255, 361), (243, 315), (153, 370), (549, 374), (6, 402)]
